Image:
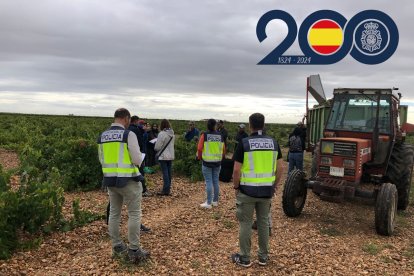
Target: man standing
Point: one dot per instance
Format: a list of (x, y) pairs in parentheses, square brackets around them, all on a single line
[(241, 134), (192, 132), (138, 129), (257, 172), (303, 130), (296, 148), (223, 131), (120, 155)]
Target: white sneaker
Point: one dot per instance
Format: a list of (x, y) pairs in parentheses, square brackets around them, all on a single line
[(205, 205), (214, 203)]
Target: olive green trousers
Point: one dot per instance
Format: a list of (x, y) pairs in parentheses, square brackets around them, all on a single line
[(245, 207)]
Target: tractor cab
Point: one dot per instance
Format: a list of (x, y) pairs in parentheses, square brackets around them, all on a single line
[(359, 132)]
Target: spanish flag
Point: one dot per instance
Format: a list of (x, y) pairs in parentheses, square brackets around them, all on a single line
[(325, 37)]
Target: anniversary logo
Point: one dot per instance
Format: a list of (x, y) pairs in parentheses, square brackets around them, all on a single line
[(326, 37)]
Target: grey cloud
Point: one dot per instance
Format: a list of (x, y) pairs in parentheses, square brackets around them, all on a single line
[(177, 47)]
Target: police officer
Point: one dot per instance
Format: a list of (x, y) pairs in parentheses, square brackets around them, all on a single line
[(120, 155), (257, 171), (211, 150)]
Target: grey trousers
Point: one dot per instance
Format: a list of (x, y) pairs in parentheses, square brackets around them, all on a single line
[(131, 196), (245, 209)]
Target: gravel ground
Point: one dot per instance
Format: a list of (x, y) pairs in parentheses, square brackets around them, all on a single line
[(8, 159), (327, 239)]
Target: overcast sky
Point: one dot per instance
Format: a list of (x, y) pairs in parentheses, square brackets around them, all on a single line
[(175, 59)]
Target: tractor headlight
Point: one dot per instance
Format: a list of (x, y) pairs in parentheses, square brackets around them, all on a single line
[(327, 147), (349, 163)]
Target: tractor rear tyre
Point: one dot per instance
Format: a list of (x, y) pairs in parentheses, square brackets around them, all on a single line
[(294, 193), (386, 209), (400, 170)]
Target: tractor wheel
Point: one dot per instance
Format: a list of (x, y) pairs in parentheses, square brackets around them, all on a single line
[(294, 193), (386, 209), (399, 172)]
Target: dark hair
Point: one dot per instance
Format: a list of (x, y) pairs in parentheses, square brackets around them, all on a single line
[(211, 124), (256, 121), (165, 124), (134, 118), (122, 113)]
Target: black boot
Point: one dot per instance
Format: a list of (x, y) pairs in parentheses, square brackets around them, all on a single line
[(145, 229)]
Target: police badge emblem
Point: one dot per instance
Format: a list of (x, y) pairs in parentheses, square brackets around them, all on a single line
[(371, 37)]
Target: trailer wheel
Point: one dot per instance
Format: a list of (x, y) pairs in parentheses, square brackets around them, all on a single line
[(399, 171), (386, 209), (294, 193)]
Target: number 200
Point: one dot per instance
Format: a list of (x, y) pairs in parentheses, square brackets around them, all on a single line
[(349, 33)]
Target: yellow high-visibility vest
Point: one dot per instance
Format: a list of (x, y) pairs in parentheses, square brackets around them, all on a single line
[(213, 147), (258, 171), (115, 158)]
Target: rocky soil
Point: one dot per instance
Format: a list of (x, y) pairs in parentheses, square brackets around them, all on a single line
[(327, 239)]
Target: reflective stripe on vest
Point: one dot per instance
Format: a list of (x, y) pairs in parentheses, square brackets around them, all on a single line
[(213, 149), (259, 168), (115, 160)]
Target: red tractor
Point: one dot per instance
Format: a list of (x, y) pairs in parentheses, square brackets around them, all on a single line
[(359, 153)]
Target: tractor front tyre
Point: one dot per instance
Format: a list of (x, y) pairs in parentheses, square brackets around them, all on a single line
[(386, 209), (294, 193), (399, 172)]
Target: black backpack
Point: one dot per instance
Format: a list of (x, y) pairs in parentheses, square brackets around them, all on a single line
[(295, 144)]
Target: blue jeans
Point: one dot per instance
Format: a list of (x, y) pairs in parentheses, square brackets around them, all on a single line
[(211, 175), (166, 175), (295, 160)]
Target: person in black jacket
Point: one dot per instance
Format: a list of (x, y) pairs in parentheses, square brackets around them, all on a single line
[(152, 134), (240, 135), (138, 129), (296, 148), (223, 131)]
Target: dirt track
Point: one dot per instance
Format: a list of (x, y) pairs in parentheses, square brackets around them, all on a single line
[(326, 239)]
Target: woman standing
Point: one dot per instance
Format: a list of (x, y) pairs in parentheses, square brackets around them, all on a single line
[(165, 154), (211, 150)]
